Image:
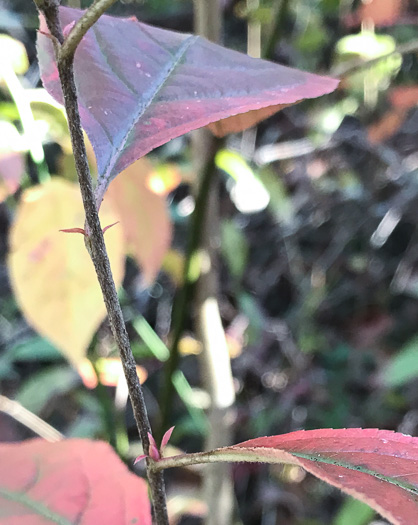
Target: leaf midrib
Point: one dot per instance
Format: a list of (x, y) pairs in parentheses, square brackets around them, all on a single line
[(35, 506), (105, 178), (358, 468)]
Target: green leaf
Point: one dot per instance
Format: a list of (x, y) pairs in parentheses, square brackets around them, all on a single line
[(234, 248), (45, 385), (354, 512), (404, 366)]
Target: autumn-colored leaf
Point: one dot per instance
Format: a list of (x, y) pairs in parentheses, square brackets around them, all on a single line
[(173, 265), (378, 467), (71, 481), (404, 97), (163, 179), (188, 345), (160, 84), (109, 369), (380, 12), (51, 272), (12, 167), (144, 217), (387, 126)]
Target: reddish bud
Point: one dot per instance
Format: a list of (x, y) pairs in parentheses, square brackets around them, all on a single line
[(74, 230), (140, 458), (110, 225), (166, 438), (67, 29), (153, 449)]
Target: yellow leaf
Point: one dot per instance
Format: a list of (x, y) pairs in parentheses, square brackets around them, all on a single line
[(51, 272), (110, 370), (164, 178), (143, 216), (13, 53), (189, 346), (173, 264)]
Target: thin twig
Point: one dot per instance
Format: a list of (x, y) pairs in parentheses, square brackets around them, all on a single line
[(97, 250), (30, 420), (90, 17), (348, 68), (222, 455), (253, 30)]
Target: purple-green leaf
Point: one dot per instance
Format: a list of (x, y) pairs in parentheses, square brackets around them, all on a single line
[(140, 86)]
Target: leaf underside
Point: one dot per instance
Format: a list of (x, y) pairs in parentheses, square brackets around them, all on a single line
[(378, 467), (140, 86)]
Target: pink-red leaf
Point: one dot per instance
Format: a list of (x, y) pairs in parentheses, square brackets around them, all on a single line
[(154, 453), (378, 467), (140, 87), (72, 481), (12, 167)]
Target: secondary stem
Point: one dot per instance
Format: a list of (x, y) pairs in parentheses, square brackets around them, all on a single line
[(97, 249), (90, 17)]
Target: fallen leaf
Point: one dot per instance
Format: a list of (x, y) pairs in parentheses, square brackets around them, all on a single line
[(51, 272)]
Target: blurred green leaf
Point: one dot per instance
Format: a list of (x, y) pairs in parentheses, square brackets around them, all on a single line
[(366, 44), (185, 392), (280, 203), (34, 349), (248, 193), (151, 339), (403, 367), (14, 54), (313, 38), (43, 386), (249, 306), (234, 248), (353, 512)]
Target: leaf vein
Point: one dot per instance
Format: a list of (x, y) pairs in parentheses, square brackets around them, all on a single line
[(166, 72)]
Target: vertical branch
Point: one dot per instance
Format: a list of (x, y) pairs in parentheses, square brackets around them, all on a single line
[(253, 30), (97, 249), (216, 365)]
